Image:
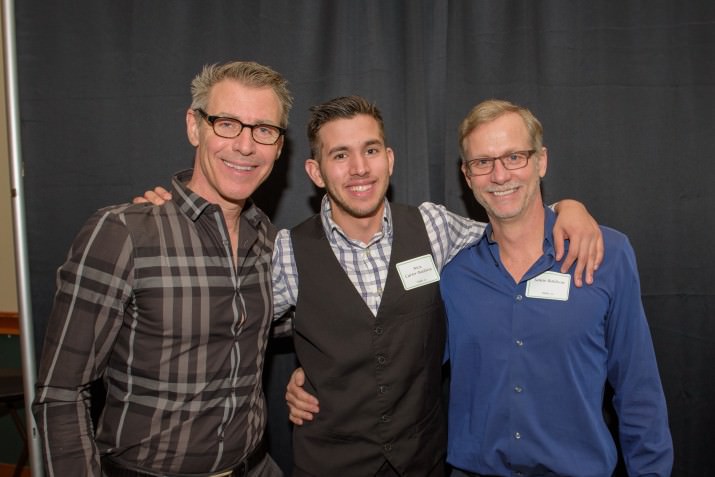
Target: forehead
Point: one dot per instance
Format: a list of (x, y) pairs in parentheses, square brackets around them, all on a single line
[(507, 132), (348, 132), (250, 104)]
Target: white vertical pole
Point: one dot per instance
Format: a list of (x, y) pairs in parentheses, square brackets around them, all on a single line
[(27, 335)]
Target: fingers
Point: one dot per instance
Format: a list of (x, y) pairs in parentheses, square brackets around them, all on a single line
[(298, 377), (559, 246), (298, 398), (149, 197), (595, 257), (154, 198), (576, 225), (575, 255), (587, 253), (301, 405), (300, 410), (297, 416), (163, 193), (141, 199), (157, 196), (572, 256)]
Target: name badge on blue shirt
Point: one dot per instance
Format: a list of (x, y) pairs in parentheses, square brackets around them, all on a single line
[(549, 286), (417, 272)]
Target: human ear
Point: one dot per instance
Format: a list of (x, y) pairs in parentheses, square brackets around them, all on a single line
[(312, 168)]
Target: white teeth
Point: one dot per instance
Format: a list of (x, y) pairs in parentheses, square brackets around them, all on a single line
[(361, 188), (237, 167), (500, 193)]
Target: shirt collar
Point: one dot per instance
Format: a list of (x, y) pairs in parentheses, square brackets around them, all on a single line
[(549, 221), (332, 230), (193, 205)]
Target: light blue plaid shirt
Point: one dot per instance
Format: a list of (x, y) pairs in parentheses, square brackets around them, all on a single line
[(366, 264)]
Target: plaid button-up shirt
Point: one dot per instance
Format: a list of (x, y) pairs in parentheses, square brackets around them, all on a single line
[(150, 300)]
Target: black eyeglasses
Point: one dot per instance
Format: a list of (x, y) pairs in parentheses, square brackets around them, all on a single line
[(511, 161), (229, 128)]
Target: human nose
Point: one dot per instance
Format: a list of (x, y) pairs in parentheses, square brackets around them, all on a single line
[(244, 142), (359, 165), (500, 174)]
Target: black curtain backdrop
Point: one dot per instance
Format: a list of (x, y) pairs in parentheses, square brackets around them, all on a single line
[(625, 90)]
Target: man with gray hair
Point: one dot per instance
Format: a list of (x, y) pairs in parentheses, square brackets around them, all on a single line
[(171, 306)]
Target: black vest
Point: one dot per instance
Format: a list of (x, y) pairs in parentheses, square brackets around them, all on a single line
[(378, 379)]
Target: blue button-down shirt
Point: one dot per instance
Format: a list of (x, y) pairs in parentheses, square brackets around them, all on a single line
[(529, 366)]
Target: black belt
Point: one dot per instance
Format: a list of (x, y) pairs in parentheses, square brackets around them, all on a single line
[(113, 469)]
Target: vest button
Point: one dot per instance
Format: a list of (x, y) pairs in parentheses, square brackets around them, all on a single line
[(378, 330), (381, 359), (383, 388), (385, 418), (387, 447)]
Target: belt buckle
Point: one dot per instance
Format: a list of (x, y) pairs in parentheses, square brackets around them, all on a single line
[(228, 473)]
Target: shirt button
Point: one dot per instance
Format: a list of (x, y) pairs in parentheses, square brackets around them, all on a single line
[(519, 298), (518, 389), (517, 435), (519, 342)]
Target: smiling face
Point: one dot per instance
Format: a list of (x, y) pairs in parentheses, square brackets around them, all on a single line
[(228, 171), (354, 166), (507, 195)]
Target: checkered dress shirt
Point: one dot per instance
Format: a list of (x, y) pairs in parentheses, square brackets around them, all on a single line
[(150, 300), (366, 263)]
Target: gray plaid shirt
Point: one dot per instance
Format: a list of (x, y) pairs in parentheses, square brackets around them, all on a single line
[(366, 263), (150, 300)]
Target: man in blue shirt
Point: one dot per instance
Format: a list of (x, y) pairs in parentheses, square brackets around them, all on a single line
[(531, 353)]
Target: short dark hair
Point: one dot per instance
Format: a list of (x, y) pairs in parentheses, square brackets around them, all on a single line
[(343, 107)]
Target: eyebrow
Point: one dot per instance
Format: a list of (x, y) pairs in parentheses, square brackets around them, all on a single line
[(501, 155), (370, 142), (233, 116)]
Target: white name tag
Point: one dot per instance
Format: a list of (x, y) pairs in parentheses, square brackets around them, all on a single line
[(549, 286), (417, 272)]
